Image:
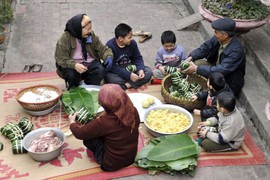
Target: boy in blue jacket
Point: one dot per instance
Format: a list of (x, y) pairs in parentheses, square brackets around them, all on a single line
[(128, 69)]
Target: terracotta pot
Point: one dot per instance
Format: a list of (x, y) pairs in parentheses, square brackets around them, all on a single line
[(242, 26), (2, 34)]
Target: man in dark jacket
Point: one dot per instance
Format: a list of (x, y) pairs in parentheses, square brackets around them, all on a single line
[(223, 53)]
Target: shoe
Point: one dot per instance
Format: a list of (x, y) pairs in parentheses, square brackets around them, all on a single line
[(32, 68), (138, 33), (199, 141), (145, 36), (156, 81)]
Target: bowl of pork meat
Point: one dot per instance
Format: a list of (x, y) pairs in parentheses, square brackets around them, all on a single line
[(44, 144)]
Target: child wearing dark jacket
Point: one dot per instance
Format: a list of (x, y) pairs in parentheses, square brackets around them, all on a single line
[(216, 84)]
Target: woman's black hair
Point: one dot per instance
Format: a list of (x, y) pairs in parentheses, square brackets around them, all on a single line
[(226, 100), (168, 37), (122, 30)]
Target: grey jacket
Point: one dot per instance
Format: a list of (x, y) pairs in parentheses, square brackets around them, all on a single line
[(230, 127)]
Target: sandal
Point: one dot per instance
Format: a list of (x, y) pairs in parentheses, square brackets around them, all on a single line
[(138, 33), (145, 36), (37, 67), (32, 68)]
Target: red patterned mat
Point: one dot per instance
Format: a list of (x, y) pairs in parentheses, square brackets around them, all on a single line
[(74, 162)]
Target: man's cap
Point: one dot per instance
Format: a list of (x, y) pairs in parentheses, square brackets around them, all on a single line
[(223, 24)]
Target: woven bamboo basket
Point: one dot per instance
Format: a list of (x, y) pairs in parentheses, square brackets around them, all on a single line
[(182, 102), (39, 106)]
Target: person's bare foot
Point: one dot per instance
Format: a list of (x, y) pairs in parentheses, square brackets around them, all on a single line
[(128, 85)]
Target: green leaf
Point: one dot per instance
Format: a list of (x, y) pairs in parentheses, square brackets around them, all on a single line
[(77, 98), (181, 164), (172, 148), (144, 152), (152, 164)]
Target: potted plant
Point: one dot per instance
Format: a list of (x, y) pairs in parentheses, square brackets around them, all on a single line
[(6, 11), (2, 34), (6, 16), (248, 14)]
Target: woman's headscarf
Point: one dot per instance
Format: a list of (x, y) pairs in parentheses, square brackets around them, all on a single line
[(74, 27), (114, 100)]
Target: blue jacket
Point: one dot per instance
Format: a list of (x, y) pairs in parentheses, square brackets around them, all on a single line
[(232, 61), (130, 54)]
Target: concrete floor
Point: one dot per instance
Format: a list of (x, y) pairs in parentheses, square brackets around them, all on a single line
[(38, 25)]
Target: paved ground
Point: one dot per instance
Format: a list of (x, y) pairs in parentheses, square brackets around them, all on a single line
[(39, 23)]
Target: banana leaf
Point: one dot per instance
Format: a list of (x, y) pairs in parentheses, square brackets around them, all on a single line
[(144, 152), (172, 148), (85, 98), (184, 162), (181, 164), (147, 164), (79, 99)]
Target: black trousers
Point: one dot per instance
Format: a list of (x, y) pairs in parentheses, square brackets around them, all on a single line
[(97, 147), (94, 75)]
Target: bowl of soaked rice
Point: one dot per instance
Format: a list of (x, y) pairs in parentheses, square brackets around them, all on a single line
[(167, 119), (39, 98)]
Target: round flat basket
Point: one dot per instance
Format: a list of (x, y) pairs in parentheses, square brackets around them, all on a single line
[(182, 102), (39, 89)]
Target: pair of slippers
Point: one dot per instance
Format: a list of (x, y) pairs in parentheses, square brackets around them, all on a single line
[(32, 68), (143, 35)]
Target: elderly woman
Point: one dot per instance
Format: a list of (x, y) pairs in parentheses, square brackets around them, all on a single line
[(78, 53), (112, 136)]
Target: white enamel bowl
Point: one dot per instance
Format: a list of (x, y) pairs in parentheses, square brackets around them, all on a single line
[(43, 156), (172, 108)]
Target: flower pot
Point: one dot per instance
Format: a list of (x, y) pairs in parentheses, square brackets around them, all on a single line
[(2, 34), (242, 26)]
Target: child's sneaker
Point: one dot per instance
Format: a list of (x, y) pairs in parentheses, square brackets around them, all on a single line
[(199, 141)]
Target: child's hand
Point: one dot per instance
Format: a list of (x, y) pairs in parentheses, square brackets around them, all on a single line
[(72, 117), (134, 77), (141, 74), (197, 112), (203, 132), (162, 69), (205, 123), (194, 98)]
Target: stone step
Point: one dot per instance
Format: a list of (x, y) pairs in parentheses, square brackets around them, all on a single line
[(254, 96), (188, 21), (257, 45), (256, 91), (266, 28)]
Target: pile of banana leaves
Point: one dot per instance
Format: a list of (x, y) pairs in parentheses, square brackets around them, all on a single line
[(82, 101), (171, 154)]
